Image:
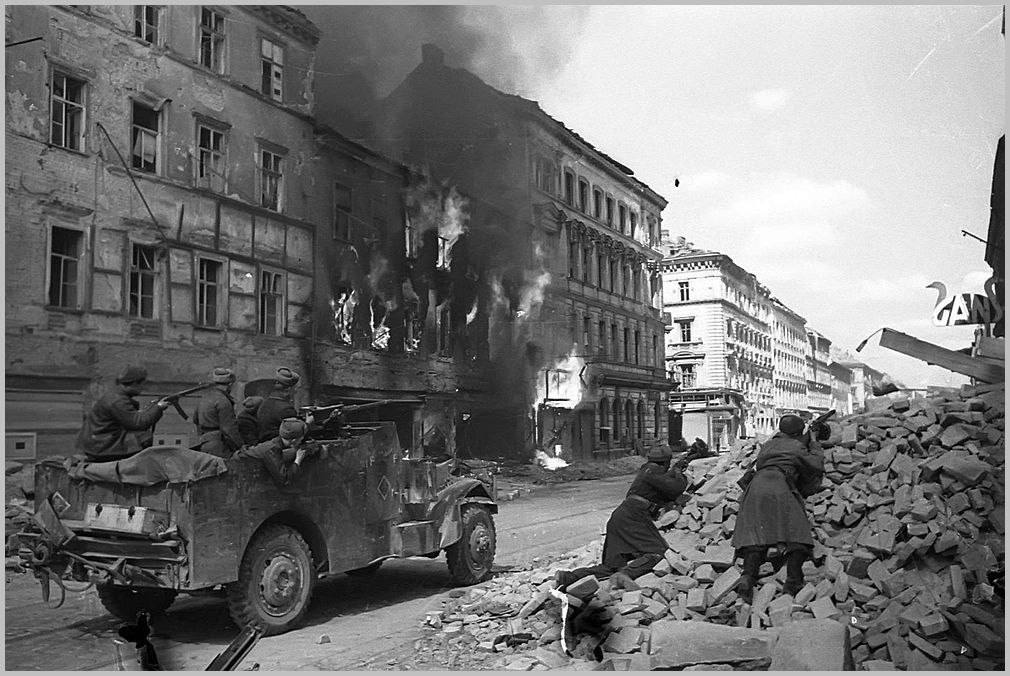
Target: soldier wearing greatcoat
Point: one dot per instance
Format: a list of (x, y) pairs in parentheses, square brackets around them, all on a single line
[(215, 417), (115, 427)]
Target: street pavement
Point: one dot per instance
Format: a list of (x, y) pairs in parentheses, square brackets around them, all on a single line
[(369, 621)]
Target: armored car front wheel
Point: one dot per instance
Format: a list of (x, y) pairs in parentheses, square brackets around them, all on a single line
[(275, 581), (471, 557)]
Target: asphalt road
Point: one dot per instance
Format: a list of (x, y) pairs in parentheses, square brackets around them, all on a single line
[(369, 621)]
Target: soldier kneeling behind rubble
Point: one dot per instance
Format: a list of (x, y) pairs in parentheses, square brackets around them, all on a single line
[(633, 544)]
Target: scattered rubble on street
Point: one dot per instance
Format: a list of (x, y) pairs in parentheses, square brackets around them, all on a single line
[(909, 561)]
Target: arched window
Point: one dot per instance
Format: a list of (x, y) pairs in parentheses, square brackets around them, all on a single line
[(640, 432), (604, 413)]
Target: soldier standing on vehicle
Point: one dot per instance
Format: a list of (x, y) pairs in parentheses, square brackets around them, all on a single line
[(275, 454), (115, 427), (215, 417), (633, 544), (246, 420), (279, 405)]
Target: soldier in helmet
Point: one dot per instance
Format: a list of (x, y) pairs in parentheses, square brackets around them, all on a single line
[(115, 427), (215, 416), (633, 544), (278, 406), (284, 454)]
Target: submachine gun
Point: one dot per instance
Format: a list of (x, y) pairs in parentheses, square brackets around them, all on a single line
[(174, 398), (335, 421), (818, 428)]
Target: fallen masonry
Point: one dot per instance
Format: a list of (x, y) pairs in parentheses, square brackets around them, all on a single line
[(907, 571)]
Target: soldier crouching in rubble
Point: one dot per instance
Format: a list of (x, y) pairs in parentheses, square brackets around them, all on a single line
[(788, 469), (115, 428), (284, 454), (633, 544)]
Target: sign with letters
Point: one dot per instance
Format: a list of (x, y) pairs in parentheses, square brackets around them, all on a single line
[(964, 309)]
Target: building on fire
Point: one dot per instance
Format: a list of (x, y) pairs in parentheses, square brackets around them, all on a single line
[(172, 202), (562, 241)]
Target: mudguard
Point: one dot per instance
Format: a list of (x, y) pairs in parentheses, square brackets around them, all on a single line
[(448, 506)]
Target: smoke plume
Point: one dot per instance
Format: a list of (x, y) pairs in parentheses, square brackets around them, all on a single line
[(366, 50)]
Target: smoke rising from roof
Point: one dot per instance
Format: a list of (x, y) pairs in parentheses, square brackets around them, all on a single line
[(365, 51)]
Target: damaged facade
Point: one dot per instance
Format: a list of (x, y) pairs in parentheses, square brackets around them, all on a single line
[(172, 202), (560, 244)]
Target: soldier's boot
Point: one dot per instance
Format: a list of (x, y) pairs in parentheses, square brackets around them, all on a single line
[(794, 572), (563, 578), (751, 565)]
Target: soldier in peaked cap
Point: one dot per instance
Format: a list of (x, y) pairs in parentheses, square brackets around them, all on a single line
[(279, 405), (246, 420), (115, 427), (215, 417), (633, 544), (276, 454)]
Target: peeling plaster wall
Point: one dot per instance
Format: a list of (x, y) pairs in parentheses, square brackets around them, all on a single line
[(53, 354)]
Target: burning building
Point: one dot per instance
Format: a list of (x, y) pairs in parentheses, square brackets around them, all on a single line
[(556, 269)]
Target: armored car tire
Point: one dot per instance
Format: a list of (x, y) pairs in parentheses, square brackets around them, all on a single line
[(126, 602), (471, 557), (275, 581)]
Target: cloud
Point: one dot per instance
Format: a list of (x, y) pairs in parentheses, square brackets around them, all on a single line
[(787, 195), (706, 180), (770, 99)]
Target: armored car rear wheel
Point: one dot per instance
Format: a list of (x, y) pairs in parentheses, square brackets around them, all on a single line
[(126, 602), (471, 557), (275, 581)]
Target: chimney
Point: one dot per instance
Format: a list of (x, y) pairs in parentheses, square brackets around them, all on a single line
[(432, 55)]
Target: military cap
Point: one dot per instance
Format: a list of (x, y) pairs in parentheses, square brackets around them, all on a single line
[(223, 376), (287, 377), (132, 374), (791, 425), (660, 453), (292, 428), (252, 403)]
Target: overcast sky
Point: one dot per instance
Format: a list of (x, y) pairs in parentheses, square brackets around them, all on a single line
[(834, 152)]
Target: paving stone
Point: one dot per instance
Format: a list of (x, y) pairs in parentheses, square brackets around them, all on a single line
[(690, 642), (812, 645)]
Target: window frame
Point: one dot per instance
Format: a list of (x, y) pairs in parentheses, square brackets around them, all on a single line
[(684, 287), (144, 132), (134, 272), (79, 270), (582, 192), (221, 297), (81, 105), (597, 203), (609, 208), (264, 174), (276, 68), (342, 217), (207, 181), (280, 314), (568, 187), (685, 327), (140, 23), (217, 38)]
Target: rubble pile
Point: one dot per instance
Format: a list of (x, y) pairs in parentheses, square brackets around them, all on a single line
[(909, 557)]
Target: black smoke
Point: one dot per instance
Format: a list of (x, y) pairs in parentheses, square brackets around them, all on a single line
[(366, 50)]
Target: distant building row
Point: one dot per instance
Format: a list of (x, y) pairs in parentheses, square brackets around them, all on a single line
[(739, 357)]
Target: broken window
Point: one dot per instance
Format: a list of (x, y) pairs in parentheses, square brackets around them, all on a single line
[(414, 328), (380, 332), (597, 203), (633, 220), (142, 281), (64, 267), (147, 22), (343, 314), (442, 255), (146, 136), (409, 236), (271, 180), (212, 40), (622, 217), (610, 210), (208, 291), (67, 112), (342, 213), (271, 69), (583, 196), (271, 303), (210, 167)]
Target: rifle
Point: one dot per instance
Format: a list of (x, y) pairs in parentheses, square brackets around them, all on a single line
[(338, 410), (818, 426), (173, 398), (236, 651)]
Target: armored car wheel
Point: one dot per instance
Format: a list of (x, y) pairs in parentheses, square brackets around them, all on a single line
[(126, 602), (275, 581), (471, 557)]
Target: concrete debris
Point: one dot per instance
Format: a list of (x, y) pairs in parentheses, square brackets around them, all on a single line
[(323, 638), (907, 571)]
